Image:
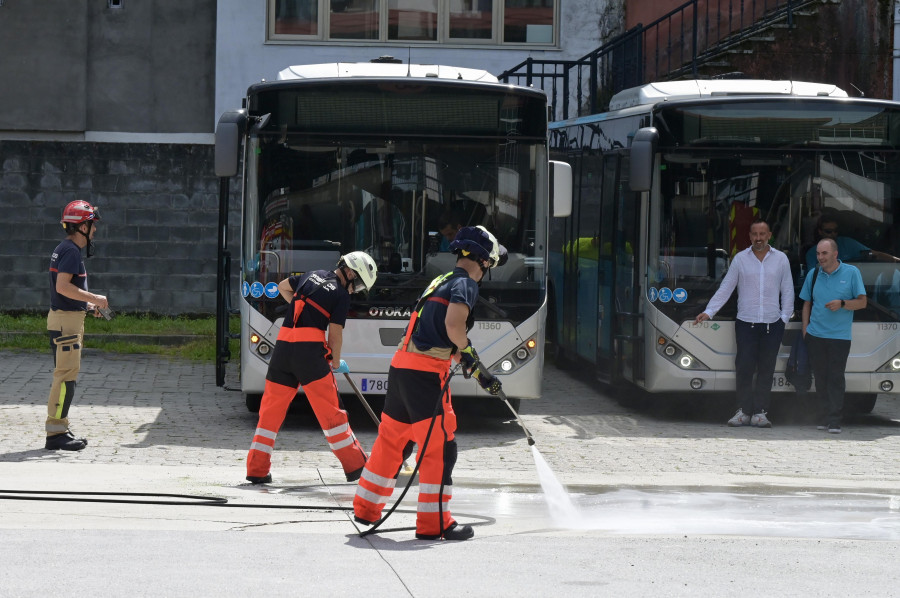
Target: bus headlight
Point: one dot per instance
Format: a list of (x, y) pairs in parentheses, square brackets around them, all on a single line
[(677, 355), (516, 358), (259, 346), (892, 366)]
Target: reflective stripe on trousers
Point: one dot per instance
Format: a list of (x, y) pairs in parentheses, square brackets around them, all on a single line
[(323, 397), (380, 474)]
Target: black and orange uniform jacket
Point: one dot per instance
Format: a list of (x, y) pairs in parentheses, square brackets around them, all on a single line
[(302, 358), (417, 392)]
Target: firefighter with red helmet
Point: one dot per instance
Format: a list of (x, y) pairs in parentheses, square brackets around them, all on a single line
[(69, 302), (417, 405), (303, 356)]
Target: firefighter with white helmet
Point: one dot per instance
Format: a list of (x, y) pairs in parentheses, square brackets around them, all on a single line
[(307, 353), (417, 405), (70, 300)]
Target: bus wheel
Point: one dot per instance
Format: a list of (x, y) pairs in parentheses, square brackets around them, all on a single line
[(253, 401), (859, 403)]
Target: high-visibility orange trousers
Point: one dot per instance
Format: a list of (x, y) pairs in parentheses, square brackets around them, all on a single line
[(435, 464), (324, 399)]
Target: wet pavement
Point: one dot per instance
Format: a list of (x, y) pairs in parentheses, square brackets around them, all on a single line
[(658, 495)]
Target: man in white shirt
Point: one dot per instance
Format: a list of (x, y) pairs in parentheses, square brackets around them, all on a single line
[(762, 276)]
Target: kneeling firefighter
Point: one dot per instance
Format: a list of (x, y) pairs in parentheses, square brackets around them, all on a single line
[(418, 395), (304, 357)]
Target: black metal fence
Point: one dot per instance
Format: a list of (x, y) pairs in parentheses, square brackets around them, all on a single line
[(671, 47)]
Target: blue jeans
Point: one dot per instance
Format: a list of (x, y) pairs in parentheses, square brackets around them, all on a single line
[(757, 351), (828, 359)]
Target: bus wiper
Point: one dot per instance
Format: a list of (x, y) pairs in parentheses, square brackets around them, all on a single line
[(493, 308)]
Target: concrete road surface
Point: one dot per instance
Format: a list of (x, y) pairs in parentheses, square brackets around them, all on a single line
[(661, 501)]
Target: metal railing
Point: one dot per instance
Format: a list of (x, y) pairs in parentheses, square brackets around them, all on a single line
[(671, 47)]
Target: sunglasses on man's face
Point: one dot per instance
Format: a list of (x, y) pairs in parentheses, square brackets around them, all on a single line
[(829, 230)]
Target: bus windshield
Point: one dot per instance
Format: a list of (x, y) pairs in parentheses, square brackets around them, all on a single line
[(709, 199), (400, 201)]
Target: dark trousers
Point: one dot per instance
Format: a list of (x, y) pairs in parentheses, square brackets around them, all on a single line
[(828, 359), (757, 350)]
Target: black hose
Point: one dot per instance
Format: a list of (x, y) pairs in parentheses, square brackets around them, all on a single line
[(126, 498)]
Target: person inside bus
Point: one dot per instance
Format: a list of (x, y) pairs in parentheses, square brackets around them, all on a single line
[(417, 406), (849, 248), (762, 276), (449, 224), (303, 356)]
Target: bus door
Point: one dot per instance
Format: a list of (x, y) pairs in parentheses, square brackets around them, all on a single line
[(589, 272), (628, 321), (619, 322)]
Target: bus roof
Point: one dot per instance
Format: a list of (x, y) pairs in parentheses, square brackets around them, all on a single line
[(664, 91), (382, 69)]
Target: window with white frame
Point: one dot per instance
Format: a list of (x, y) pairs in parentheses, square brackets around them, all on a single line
[(498, 22)]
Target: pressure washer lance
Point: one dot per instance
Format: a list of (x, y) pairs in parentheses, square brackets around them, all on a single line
[(502, 396), (518, 419), (406, 467)]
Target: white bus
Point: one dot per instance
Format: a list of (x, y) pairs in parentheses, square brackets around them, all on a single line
[(373, 156), (666, 185)]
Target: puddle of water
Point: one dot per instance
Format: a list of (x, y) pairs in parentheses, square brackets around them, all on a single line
[(801, 514), (785, 514), (768, 512)]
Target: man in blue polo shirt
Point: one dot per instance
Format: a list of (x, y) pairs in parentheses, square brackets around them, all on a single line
[(827, 321)]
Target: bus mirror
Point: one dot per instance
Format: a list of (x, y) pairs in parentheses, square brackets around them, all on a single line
[(643, 154), (560, 189), (229, 131)]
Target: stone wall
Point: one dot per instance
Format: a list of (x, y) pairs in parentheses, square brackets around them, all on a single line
[(156, 246)]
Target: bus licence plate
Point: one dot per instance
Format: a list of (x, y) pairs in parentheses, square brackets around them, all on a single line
[(374, 385), (779, 382)]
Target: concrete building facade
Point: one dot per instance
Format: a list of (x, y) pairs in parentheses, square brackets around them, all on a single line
[(115, 102)]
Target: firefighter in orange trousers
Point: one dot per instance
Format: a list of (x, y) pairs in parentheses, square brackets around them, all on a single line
[(418, 392), (303, 357)]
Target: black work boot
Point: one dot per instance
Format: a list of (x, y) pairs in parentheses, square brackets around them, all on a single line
[(266, 479), (454, 532), (64, 442), (354, 475), (73, 437)]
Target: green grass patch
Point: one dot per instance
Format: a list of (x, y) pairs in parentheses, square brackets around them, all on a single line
[(194, 337)]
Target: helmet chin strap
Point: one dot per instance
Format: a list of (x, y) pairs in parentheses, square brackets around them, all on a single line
[(87, 235), (350, 286)]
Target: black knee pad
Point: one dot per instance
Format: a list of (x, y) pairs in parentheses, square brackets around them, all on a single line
[(67, 401), (450, 455)]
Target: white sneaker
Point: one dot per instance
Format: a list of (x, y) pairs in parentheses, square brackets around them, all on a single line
[(739, 419), (760, 420)]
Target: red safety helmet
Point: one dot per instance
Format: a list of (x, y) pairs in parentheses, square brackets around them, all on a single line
[(79, 211)]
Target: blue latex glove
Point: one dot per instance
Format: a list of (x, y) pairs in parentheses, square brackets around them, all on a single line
[(341, 369)]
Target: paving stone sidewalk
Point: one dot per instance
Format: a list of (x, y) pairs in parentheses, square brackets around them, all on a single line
[(150, 410)]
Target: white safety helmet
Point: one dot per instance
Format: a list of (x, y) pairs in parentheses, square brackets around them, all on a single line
[(365, 268)]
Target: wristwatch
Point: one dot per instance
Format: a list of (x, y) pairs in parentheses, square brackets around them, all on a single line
[(842, 303)]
